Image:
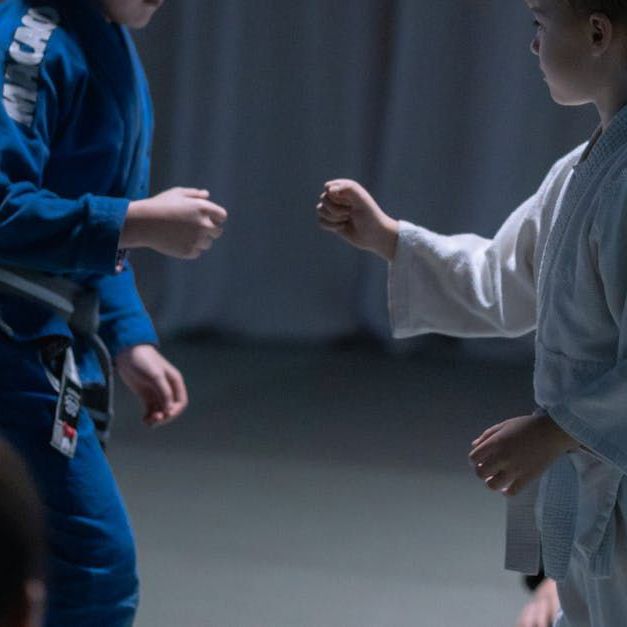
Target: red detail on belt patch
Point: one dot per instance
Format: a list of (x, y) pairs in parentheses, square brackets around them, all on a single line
[(68, 431)]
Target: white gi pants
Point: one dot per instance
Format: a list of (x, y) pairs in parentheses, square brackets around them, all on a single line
[(592, 602)]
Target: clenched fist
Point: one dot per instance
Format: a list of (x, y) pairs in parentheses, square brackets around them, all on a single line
[(180, 222), (347, 209)]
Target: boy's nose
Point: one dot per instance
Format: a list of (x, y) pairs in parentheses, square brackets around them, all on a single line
[(535, 46)]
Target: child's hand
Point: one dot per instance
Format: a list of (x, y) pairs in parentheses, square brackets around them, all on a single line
[(347, 209), (512, 453), (542, 609), (155, 381), (180, 222)]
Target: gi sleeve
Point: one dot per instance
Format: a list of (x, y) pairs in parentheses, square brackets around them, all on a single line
[(124, 321), (38, 229), (466, 285), (596, 413)]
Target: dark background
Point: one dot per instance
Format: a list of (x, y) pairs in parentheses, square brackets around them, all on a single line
[(437, 107)]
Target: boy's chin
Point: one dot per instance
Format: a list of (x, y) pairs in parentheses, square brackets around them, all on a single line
[(561, 100), (140, 22), (135, 20), (566, 100)]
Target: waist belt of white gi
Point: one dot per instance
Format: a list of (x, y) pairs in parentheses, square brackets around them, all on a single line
[(79, 307)]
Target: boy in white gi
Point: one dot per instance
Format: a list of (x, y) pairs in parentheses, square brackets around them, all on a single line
[(558, 266)]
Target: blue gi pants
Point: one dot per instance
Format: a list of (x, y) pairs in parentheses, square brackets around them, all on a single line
[(92, 579)]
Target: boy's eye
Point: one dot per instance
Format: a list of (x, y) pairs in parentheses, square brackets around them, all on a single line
[(537, 24)]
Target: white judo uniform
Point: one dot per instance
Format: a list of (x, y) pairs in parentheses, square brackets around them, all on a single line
[(558, 266)]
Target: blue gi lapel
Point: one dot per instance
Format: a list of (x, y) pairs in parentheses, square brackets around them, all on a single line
[(136, 181), (113, 58)]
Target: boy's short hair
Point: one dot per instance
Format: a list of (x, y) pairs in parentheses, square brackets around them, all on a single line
[(21, 534), (614, 9)]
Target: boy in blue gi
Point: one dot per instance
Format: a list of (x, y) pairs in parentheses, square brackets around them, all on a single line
[(558, 266), (75, 139)]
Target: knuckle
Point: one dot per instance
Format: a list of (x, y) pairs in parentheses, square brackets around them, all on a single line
[(492, 484)]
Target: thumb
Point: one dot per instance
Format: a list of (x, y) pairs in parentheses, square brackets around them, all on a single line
[(346, 192), (193, 192), (151, 402), (341, 195), (486, 434), (162, 393)]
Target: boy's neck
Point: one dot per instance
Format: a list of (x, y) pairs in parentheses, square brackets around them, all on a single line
[(611, 102)]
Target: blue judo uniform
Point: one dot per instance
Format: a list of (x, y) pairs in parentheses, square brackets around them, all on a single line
[(75, 136)]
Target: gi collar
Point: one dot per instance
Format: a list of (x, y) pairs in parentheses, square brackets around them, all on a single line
[(603, 144), (107, 46), (114, 62)]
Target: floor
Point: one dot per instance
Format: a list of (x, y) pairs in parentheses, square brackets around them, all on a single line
[(324, 486)]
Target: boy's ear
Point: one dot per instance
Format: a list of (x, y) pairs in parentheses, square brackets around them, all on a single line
[(601, 33)]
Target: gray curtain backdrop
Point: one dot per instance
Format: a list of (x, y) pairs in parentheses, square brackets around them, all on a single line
[(437, 107)]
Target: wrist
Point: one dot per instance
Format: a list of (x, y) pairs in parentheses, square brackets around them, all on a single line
[(564, 441), (389, 239), (128, 353), (132, 235)]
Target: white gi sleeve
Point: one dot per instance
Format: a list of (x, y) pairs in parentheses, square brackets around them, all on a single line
[(466, 285)]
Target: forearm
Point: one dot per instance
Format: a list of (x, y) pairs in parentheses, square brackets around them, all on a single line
[(564, 442), (41, 231), (387, 243), (461, 285), (133, 234), (124, 321)]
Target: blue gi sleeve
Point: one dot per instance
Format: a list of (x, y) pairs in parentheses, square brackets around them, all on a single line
[(124, 321), (39, 229), (596, 413)]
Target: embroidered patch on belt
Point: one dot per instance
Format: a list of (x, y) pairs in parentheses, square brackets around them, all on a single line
[(65, 428)]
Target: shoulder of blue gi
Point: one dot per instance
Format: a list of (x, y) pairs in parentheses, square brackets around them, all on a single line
[(43, 79), (39, 55)]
